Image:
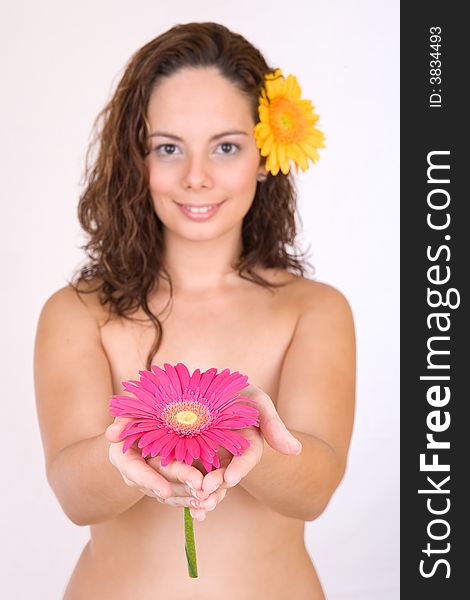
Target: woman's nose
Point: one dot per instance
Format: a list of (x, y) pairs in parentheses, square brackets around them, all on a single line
[(197, 174)]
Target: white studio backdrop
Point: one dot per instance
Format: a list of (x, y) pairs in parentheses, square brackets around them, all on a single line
[(60, 62)]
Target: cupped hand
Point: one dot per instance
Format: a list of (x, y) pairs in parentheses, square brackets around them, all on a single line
[(179, 484), (176, 484), (271, 428)]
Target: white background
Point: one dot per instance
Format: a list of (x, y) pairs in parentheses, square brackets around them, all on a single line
[(60, 61)]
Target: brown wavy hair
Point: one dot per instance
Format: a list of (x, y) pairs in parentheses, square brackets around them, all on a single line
[(125, 236)]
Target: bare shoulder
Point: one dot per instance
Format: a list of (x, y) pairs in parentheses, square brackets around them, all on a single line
[(308, 296), (320, 298), (80, 304)]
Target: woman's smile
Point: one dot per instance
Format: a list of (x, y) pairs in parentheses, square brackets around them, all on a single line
[(199, 212)]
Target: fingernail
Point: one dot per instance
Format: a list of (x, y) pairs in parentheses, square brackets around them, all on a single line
[(234, 483), (157, 492), (190, 485), (297, 446)]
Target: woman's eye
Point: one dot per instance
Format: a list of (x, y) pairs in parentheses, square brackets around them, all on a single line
[(166, 149), (228, 148)]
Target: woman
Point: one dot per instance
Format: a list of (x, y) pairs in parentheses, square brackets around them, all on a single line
[(189, 227)]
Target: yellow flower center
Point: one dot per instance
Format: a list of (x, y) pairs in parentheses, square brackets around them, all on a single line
[(286, 120), (186, 417)]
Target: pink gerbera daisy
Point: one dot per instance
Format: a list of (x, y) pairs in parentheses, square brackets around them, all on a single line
[(185, 417)]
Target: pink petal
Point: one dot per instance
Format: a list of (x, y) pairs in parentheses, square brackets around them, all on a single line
[(146, 451), (127, 430), (141, 394), (188, 459), (152, 436), (148, 385), (207, 452), (206, 379), (245, 410), (229, 393), (217, 382), (233, 423), (180, 449), (207, 465), (195, 378), (216, 461), (166, 460), (151, 377), (173, 376), (212, 446), (158, 444), (129, 441), (169, 446), (235, 437), (164, 381), (183, 375), (223, 441), (193, 447), (131, 407)]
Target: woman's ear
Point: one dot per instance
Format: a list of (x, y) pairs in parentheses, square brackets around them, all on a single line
[(262, 174)]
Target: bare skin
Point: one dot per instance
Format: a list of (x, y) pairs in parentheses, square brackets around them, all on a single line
[(296, 345)]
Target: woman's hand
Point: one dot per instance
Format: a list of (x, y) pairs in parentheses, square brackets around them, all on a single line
[(177, 484), (272, 429)]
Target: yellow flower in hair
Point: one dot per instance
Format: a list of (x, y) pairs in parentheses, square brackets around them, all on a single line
[(286, 128)]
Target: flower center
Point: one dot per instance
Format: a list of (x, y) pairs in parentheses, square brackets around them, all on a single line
[(186, 417), (286, 120)]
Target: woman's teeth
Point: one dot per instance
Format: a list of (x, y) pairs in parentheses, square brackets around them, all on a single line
[(198, 209)]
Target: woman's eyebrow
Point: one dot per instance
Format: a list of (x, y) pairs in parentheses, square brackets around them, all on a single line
[(171, 136)]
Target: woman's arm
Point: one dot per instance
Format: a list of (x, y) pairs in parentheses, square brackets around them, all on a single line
[(316, 403), (73, 387)]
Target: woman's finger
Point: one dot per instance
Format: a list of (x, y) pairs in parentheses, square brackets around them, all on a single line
[(213, 480), (270, 423), (240, 466), (178, 472), (198, 514), (136, 472), (214, 499), (114, 430)]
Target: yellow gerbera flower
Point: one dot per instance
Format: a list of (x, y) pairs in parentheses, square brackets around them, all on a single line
[(286, 128)]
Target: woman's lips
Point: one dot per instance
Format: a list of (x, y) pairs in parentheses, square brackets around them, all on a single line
[(199, 212)]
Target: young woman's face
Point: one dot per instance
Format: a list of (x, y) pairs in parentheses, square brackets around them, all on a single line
[(203, 159)]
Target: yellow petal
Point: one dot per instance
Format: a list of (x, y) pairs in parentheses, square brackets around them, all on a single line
[(299, 157), (310, 150), (274, 87), (267, 146), (292, 87), (271, 163), (282, 158), (262, 130), (263, 112)]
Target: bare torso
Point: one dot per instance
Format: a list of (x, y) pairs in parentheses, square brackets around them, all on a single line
[(245, 550)]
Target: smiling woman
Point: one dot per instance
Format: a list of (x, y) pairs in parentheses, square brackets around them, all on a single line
[(208, 173), (191, 258)]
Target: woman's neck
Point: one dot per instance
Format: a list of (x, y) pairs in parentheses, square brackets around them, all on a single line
[(202, 265)]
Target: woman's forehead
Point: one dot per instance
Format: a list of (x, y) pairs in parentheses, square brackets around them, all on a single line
[(201, 93)]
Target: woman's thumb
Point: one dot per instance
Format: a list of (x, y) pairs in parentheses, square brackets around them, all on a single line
[(114, 430)]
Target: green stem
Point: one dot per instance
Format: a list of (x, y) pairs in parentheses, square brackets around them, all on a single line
[(189, 545)]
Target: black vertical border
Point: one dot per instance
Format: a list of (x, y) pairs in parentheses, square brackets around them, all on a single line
[(425, 129)]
